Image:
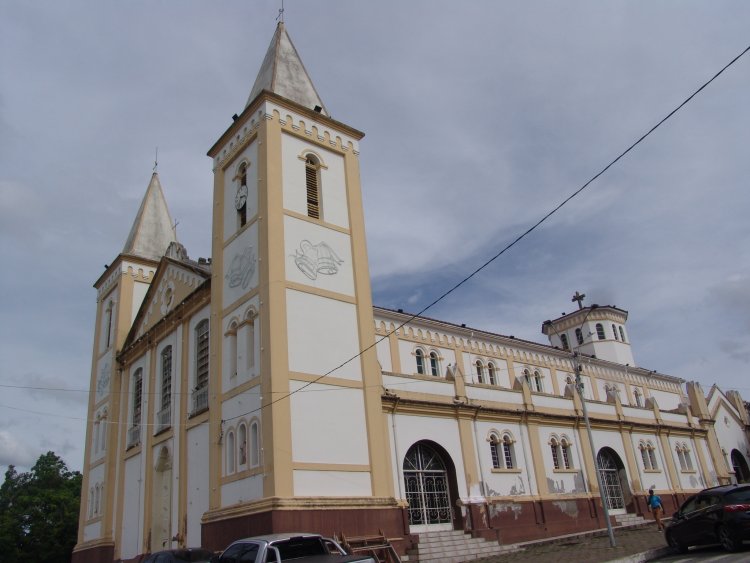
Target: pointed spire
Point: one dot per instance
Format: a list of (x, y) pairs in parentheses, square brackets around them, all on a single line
[(283, 73), (152, 231)]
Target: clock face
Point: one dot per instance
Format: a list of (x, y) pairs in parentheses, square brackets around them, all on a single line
[(241, 197)]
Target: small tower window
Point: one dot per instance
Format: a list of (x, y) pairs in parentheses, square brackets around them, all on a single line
[(312, 183), (622, 334), (564, 342), (579, 336), (240, 200), (638, 397), (614, 331), (600, 331)]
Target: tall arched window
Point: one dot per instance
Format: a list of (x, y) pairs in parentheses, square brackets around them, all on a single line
[(508, 453), (527, 377), (137, 397), (242, 444), (96, 435), (103, 431), (555, 447), (240, 199), (312, 183), (614, 331), (491, 373), (495, 451), (165, 415), (600, 331), (230, 452), (108, 324), (644, 456), (434, 366), (564, 341), (538, 381), (91, 502), (565, 450), (480, 371), (231, 340), (420, 361), (200, 393), (250, 320), (579, 336), (681, 457), (254, 444), (622, 334), (96, 499)]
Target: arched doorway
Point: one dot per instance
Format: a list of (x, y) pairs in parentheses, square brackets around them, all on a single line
[(741, 472), (612, 471), (429, 479)]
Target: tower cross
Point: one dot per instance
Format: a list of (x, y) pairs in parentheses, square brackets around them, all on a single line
[(579, 297)]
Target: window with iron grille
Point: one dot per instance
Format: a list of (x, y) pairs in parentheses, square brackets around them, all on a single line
[(491, 373), (201, 354), (508, 452), (312, 183), (166, 377), (480, 372), (137, 396), (565, 448), (555, 453), (494, 447)]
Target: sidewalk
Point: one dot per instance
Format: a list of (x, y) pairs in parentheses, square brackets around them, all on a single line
[(633, 545)]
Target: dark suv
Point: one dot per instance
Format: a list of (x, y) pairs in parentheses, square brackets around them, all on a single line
[(716, 515)]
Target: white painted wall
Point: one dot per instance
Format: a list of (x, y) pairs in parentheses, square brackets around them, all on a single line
[(562, 481), (92, 531), (436, 386), (332, 180), (665, 400), (139, 294), (103, 375), (318, 256), (331, 483), (242, 490), (328, 424), (505, 483), (322, 334), (197, 481), (232, 182), (383, 349)]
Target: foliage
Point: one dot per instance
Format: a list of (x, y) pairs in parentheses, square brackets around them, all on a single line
[(39, 512)]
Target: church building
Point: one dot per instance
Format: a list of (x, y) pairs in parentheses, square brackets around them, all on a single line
[(259, 390)]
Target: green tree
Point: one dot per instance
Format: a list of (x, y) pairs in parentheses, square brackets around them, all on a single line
[(39, 512)]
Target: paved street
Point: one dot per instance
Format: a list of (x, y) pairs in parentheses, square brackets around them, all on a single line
[(587, 549), (714, 554)]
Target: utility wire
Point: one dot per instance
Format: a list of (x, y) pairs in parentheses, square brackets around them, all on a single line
[(460, 283), (516, 240)]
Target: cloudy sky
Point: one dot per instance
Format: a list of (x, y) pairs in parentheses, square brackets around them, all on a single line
[(480, 117)]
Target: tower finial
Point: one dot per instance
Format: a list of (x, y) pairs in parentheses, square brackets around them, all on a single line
[(156, 159), (280, 17), (579, 297)]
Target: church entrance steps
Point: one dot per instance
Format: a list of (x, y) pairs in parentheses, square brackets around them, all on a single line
[(453, 546), (630, 520)]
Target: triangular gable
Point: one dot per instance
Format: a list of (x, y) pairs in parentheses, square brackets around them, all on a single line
[(174, 282), (716, 400)]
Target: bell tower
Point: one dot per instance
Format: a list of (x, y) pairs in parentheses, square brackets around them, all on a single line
[(292, 307), (120, 292)]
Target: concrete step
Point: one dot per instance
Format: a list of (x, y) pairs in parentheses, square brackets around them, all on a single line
[(453, 547)]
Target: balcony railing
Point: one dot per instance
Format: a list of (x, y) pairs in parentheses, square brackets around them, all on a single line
[(200, 400), (134, 436), (164, 418)]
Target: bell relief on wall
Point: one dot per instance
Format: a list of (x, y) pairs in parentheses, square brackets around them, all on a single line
[(313, 259)]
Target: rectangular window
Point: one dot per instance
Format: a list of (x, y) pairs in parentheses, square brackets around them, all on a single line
[(166, 377), (201, 355)]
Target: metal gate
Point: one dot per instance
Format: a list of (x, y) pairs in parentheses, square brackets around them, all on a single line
[(610, 480), (426, 481)]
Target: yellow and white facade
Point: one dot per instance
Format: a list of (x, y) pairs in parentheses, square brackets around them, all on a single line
[(261, 391)]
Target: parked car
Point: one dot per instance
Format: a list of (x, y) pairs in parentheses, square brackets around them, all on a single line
[(186, 555), (300, 548), (715, 515)]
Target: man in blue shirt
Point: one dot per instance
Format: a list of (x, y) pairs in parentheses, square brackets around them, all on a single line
[(655, 507)]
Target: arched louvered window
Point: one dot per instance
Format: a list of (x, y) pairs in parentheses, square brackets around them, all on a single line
[(614, 331), (312, 183), (240, 201), (622, 334), (600, 331), (579, 336), (564, 341)]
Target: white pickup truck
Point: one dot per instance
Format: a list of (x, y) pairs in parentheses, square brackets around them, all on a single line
[(299, 548)]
